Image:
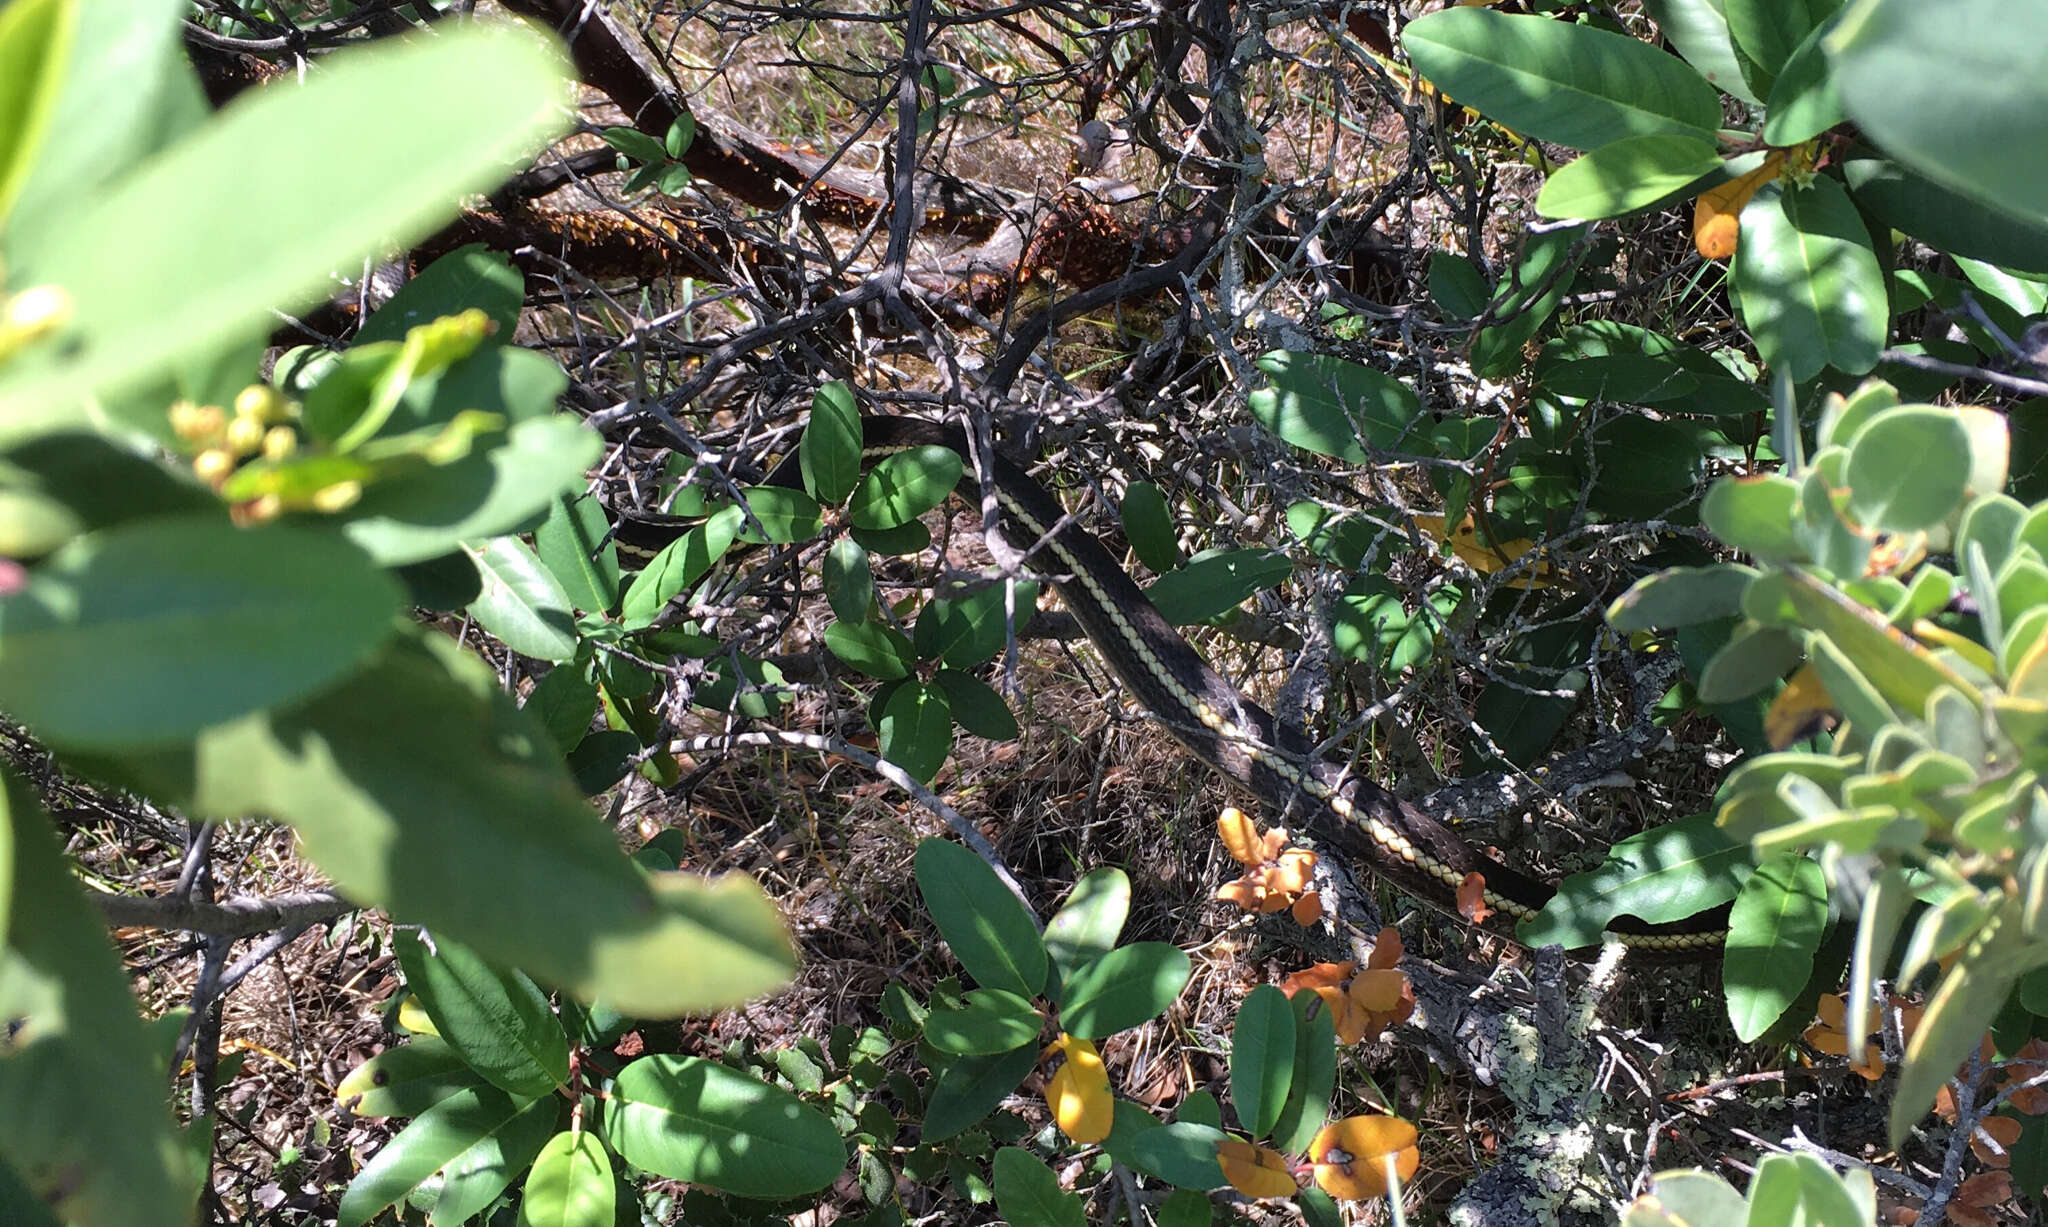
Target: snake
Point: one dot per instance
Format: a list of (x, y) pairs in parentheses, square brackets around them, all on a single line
[(1319, 797)]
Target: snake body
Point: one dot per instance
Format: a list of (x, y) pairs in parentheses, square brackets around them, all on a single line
[(1312, 794)]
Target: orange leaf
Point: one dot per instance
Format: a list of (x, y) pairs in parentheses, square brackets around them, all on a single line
[(1387, 950), (1351, 1156), (1378, 990), (1078, 1092), (1716, 215), (1318, 975), (1994, 1140), (1244, 892), (1240, 838), (1294, 873), (1308, 909), (1254, 1171), (1799, 709), (1472, 898)]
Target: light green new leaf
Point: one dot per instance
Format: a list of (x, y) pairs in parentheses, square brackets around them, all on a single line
[(691, 1119), (1553, 81), (494, 1017), (570, 1184), (1029, 1194), (1773, 930), (1262, 1058), (380, 175), (420, 788), (147, 632), (521, 603), (475, 1133), (83, 1120), (1629, 174), (1954, 91), (994, 938), (1908, 469), (1811, 289), (35, 42)]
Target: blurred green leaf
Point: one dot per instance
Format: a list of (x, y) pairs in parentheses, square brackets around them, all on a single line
[(35, 43)]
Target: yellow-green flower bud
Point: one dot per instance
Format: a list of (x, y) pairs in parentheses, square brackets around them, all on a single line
[(213, 465), (338, 497), (279, 442), (263, 403), (245, 436)]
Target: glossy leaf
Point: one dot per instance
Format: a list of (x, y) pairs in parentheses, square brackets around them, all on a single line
[(1181, 1154), (971, 1088), (474, 1179), (1812, 293), (1804, 101), (1767, 32), (680, 564), (1945, 219), (1149, 527), (1623, 176), (849, 580), (967, 625), (916, 729), (468, 1130), (416, 779), (903, 486), (1214, 584), (687, 1118), (878, 650), (830, 451), (570, 1184), (991, 1022), (1314, 1078), (778, 516), (1553, 81), (405, 1080), (190, 621), (1699, 30), (1088, 923), (1029, 1194), (991, 934), (573, 544), (1332, 406), (492, 95), (1128, 986), (1666, 873), (1951, 91), (521, 602), (1262, 1058), (494, 1017), (83, 1121), (1773, 930)]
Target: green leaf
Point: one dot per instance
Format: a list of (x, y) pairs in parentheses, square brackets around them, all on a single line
[(570, 1184), (419, 788), (1535, 284), (876, 649), (992, 1022), (1262, 1059), (916, 729), (1629, 174), (1666, 873), (1962, 1008), (1905, 673), (1148, 524), (1184, 1208), (145, 633), (575, 545), (1181, 1154), (687, 1118), (1315, 1076), (1371, 623), (474, 1179), (1128, 986), (35, 42), (1699, 30), (903, 486), (966, 625), (1767, 32), (829, 452), (1214, 584), (1951, 91), (1686, 1199), (406, 1080), (1681, 596), (1331, 406), (1811, 290), (1753, 658), (1457, 286), (1029, 1194), (1774, 1194), (1944, 219), (1804, 102), (473, 1135), (1088, 923), (680, 564), (849, 580), (1553, 81), (564, 702), (469, 277), (1622, 379), (492, 491), (634, 144), (521, 603), (1908, 469), (1773, 930), (991, 934), (83, 1121), (971, 1088), (975, 705), (379, 178), (494, 1017), (785, 516)]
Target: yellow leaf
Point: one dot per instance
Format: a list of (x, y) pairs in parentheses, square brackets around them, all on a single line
[(1254, 1170), (1240, 838), (1798, 709), (1716, 215), (1353, 1156), (413, 1017), (1078, 1093)]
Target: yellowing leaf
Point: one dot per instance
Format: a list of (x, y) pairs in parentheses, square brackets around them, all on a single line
[(1353, 1156), (1078, 1093), (1240, 837), (1799, 708), (1254, 1171), (1481, 557), (413, 1017), (1716, 215)]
